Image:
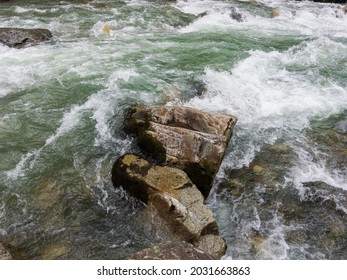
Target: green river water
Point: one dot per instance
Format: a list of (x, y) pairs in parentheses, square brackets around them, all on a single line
[(62, 106)]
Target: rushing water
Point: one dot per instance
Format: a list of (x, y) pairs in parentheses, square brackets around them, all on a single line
[(279, 66)]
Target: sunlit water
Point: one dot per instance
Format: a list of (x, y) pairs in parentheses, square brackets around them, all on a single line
[(279, 66)]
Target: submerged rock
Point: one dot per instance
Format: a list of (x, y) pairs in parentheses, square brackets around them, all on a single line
[(275, 13), (234, 14), (173, 197), (199, 87), (182, 137), (4, 253), (171, 94), (213, 244), (341, 126), (20, 37), (171, 251)]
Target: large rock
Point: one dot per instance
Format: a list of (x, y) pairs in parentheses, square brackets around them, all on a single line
[(182, 137), (4, 253), (20, 37), (175, 199), (171, 251), (170, 191)]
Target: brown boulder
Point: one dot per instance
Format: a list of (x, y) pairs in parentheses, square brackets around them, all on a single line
[(182, 137), (20, 37), (170, 192)]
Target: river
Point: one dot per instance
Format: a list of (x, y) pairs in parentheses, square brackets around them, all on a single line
[(279, 66)]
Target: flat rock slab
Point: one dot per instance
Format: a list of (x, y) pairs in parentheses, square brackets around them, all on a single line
[(171, 251), (185, 138), (20, 37)]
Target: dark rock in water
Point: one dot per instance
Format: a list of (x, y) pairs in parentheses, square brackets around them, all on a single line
[(182, 137), (20, 37), (202, 14), (172, 197), (234, 14), (322, 209), (341, 126), (199, 87), (326, 195), (4, 253), (171, 251)]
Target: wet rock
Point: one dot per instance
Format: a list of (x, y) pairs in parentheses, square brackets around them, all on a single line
[(202, 14), (235, 186), (341, 126), (199, 87), (48, 194), (257, 169), (171, 94), (171, 251), (275, 13), (20, 37), (182, 137), (55, 252), (170, 192), (4, 253), (235, 15), (326, 195), (345, 9), (213, 244), (151, 225)]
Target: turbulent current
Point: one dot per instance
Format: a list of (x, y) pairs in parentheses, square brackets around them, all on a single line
[(279, 66)]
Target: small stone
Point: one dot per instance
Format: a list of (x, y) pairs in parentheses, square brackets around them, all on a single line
[(275, 13), (257, 169), (106, 29)]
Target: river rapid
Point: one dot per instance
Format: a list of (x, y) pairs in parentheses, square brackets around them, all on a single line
[(279, 66)]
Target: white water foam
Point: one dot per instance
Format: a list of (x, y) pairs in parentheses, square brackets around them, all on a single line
[(295, 18), (270, 100), (21, 10), (102, 106)]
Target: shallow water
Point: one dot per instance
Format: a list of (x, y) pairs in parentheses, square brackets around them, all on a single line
[(62, 106)]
